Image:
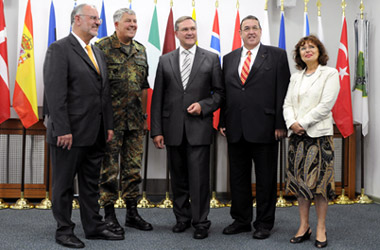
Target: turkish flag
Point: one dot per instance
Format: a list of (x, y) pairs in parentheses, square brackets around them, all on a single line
[(342, 110)]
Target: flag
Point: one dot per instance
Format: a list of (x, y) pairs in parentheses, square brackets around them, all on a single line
[(215, 47), (360, 93), (102, 31), (342, 110), (237, 39), (52, 36), (75, 5), (169, 42), (25, 93), (265, 34), (306, 29), (194, 16), (320, 29), (153, 51), (5, 105), (281, 40)]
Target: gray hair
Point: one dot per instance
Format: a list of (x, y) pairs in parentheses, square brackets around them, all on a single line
[(250, 17), (181, 19), (78, 10), (120, 12)]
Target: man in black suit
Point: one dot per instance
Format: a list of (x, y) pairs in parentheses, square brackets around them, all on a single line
[(256, 79), (80, 123), (187, 90)]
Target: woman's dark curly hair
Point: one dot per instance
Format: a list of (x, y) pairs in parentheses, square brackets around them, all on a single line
[(323, 57)]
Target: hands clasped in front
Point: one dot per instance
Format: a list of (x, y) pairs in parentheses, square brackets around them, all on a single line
[(297, 129)]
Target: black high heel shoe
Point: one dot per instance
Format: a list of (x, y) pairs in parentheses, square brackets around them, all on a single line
[(321, 244), (302, 238)]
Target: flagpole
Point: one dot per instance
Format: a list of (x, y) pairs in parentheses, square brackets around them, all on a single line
[(145, 202), (3, 204), (281, 201), (362, 198), (343, 199), (46, 203), (169, 45), (215, 44), (22, 203)]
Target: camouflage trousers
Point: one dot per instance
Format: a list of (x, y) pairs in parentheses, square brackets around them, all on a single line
[(129, 146)]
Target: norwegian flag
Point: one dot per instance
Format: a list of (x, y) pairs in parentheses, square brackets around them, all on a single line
[(215, 47)]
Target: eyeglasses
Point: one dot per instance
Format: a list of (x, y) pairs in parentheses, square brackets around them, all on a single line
[(93, 18)]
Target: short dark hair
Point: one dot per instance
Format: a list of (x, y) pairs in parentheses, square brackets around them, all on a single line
[(250, 17), (323, 57)]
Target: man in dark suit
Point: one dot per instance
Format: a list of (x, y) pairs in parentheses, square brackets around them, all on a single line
[(256, 79), (187, 89), (80, 123)]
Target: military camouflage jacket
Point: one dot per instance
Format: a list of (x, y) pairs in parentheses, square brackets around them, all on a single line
[(128, 76)]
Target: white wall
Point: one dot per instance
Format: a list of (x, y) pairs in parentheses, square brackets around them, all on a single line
[(205, 9)]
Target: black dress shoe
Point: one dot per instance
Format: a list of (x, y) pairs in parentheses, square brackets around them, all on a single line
[(181, 227), (69, 241), (321, 244), (236, 228), (200, 233), (301, 238), (105, 235), (261, 234)]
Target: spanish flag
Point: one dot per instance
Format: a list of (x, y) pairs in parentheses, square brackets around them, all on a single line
[(25, 93)]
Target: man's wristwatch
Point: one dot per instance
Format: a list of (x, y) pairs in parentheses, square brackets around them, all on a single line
[(145, 116)]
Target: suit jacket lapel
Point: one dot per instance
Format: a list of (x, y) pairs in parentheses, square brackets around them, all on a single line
[(99, 60), (80, 51), (235, 65), (174, 62), (197, 62), (260, 58)]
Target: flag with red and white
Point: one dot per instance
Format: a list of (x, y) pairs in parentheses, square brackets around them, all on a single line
[(215, 47), (5, 105), (342, 110)]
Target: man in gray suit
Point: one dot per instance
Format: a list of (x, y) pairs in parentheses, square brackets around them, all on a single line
[(187, 90), (80, 123)]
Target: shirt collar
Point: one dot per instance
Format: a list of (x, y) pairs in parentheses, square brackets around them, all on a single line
[(192, 49), (253, 51), (81, 42)]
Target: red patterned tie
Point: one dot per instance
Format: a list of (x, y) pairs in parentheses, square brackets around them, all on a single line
[(245, 69)]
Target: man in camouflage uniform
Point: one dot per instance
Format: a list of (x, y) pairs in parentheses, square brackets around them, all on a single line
[(127, 74)]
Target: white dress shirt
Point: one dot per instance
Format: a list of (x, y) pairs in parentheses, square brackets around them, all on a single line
[(83, 45), (182, 56), (244, 56)]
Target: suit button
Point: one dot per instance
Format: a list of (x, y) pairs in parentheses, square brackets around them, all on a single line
[(184, 92), (243, 89)]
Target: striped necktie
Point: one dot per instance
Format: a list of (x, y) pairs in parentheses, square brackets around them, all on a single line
[(185, 73), (91, 55), (245, 69)]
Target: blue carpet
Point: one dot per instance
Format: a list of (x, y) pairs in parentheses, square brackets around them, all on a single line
[(348, 227)]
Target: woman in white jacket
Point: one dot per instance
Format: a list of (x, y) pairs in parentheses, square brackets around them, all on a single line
[(307, 107)]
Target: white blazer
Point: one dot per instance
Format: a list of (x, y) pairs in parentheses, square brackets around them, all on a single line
[(313, 108)]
